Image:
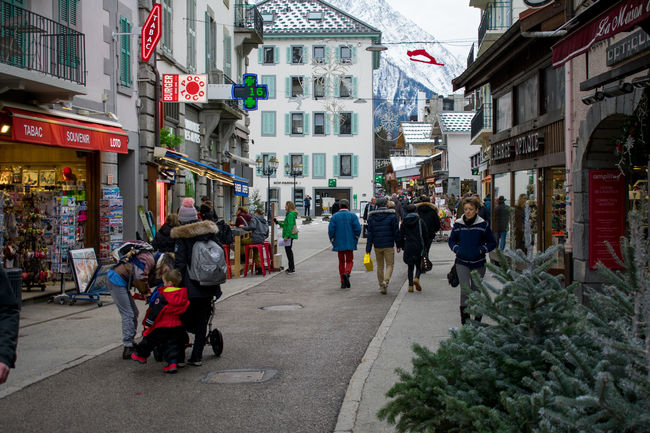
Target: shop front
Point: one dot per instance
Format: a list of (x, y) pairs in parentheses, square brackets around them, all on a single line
[(50, 187)]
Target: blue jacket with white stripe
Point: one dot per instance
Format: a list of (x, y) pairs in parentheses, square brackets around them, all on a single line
[(471, 243)]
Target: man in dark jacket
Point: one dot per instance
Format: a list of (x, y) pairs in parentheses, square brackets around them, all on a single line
[(9, 317), (429, 214), (501, 221), (196, 318), (383, 234)]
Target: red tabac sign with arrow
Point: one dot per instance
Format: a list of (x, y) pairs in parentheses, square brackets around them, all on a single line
[(151, 32)]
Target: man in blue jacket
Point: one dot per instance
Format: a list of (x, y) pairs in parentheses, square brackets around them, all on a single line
[(383, 233), (344, 230)]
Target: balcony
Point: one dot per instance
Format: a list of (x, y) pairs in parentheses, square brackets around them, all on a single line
[(481, 127), (229, 109), (249, 27), (39, 55), (497, 18)]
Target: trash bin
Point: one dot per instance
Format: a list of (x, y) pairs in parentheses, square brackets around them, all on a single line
[(15, 276)]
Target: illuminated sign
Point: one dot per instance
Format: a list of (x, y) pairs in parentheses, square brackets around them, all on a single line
[(151, 32), (241, 188), (184, 88), (250, 92)]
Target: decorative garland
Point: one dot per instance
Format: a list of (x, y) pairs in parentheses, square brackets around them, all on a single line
[(632, 144)]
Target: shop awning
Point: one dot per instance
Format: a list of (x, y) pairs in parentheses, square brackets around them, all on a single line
[(619, 18), (176, 159), (39, 128)]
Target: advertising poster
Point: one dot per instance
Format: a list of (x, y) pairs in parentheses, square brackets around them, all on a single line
[(607, 191)]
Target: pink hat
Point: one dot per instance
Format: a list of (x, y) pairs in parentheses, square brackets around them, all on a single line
[(188, 202), (187, 212)]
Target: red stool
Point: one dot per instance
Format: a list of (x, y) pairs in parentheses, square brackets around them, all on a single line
[(260, 251), (269, 256), (226, 250)]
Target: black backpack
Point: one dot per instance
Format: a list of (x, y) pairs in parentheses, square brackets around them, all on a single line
[(225, 233)]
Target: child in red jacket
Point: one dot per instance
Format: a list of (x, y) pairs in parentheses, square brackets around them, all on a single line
[(162, 323)]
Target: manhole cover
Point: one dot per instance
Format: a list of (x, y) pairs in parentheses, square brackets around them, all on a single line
[(282, 307), (240, 376)]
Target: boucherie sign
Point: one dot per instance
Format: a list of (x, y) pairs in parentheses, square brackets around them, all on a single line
[(622, 17)]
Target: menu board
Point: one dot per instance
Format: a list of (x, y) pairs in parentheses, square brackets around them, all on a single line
[(606, 216)]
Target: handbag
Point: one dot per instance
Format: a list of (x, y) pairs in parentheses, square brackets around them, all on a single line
[(367, 262), (452, 277), (294, 230)]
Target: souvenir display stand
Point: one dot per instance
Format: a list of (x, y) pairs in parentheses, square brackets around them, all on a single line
[(111, 222), (65, 239)]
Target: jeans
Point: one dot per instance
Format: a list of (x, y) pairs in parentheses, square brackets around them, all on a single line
[(291, 266), (128, 311), (466, 280), (346, 261), (418, 271), (384, 255), (170, 340), (502, 239)]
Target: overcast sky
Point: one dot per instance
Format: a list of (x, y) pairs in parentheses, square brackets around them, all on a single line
[(447, 20)]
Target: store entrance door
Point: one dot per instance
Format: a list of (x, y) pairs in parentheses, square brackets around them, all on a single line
[(338, 194)]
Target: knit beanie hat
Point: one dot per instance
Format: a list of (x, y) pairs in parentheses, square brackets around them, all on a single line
[(381, 202), (187, 213)]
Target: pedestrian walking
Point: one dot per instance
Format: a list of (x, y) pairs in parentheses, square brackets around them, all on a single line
[(369, 208), (501, 221), (483, 210), (9, 322), (289, 233), (471, 239), (383, 234), (413, 232), (195, 319), (344, 230), (307, 203), (429, 214), (398, 207), (162, 241)]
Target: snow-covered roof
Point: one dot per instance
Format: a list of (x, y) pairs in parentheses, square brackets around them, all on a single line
[(303, 17), (456, 121), (417, 132), (403, 162)]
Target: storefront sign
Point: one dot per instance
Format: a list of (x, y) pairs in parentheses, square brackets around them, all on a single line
[(37, 128), (620, 18), (151, 32), (628, 47), (529, 143), (185, 88), (192, 131), (501, 150), (241, 189), (607, 191)]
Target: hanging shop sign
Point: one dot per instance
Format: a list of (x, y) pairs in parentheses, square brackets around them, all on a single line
[(185, 88), (607, 192), (241, 189), (151, 32), (628, 47)]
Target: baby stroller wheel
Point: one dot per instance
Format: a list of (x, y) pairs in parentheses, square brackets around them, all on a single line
[(216, 341)]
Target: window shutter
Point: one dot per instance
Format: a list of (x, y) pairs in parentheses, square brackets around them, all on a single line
[(305, 123), (327, 54), (125, 53), (354, 54), (336, 165), (260, 51), (327, 121), (337, 88), (305, 54), (275, 173), (355, 165), (276, 55), (287, 124), (269, 80), (319, 165), (289, 55), (355, 87), (305, 85), (305, 165), (258, 169), (286, 165), (355, 123), (328, 90), (336, 120), (338, 54), (227, 55), (287, 87)]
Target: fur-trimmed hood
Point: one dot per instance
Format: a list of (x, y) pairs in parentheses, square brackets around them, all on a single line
[(427, 204), (193, 230), (381, 210), (461, 220)]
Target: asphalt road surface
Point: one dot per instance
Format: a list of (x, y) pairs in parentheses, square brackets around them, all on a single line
[(313, 351)]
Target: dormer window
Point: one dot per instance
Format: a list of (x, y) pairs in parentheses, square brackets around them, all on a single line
[(267, 18), (315, 15)]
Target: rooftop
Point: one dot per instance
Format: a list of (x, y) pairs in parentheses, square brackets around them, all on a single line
[(404, 162), (417, 132), (456, 121)]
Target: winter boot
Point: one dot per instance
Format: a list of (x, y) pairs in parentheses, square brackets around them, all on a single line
[(418, 287), (464, 317)]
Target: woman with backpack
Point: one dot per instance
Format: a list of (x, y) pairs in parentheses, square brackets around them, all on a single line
[(412, 238), (195, 319), (289, 233)]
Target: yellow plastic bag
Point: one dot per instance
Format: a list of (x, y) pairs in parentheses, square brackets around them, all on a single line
[(367, 262)]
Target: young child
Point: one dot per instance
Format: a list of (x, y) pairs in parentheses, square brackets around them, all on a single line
[(162, 323)]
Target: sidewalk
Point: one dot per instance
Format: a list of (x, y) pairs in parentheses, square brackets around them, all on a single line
[(423, 318)]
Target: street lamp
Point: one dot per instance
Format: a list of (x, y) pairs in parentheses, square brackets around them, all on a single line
[(267, 170), (293, 170)]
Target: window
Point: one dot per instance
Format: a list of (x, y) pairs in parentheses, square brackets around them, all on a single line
[(269, 80), (297, 123), (319, 165), (227, 53), (210, 43), (67, 12), (171, 112), (268, 123), (345, 90), (552, 89), (345, 124), (191, 35), (504, 112), (319, 54), (315, 15), (265, 165), (167, 25), (319, 87), (269, 55), (319, 123), (447, 104), (67, 45), (346, 54), (267, 18), (296, 164), (526, 100), (296, 55), (345, 168), (296, 87), (125, 53)]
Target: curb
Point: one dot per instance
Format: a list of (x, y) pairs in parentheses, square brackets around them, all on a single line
[(348, 413)]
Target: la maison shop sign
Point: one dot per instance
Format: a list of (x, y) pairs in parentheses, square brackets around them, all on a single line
[(628, 47), (524, 145)]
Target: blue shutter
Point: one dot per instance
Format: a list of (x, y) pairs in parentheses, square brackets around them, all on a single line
[(336, 165), (276, 55), (305, 123), (305, 165), (286, 165), (354, 54), (337, 88), (305, 54), (327, 121), (289, 55), (287, 87), (326, 82), (355, 87), (305, 85), (338, 54), (287, 124), (269, 80), (260, 51), (268, 123), (355, 123), (336, 120), (319, 165), (355, 165), (258, 169)]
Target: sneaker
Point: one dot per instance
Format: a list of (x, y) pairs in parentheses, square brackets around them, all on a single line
[(382, 289), (128, 351), (346, 280), (138, 358), (290, 271), (194, 363), (343, 286), (418, 287), (171, 368)]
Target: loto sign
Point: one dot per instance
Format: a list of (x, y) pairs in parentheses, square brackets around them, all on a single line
[(184, 88), (151, 32)]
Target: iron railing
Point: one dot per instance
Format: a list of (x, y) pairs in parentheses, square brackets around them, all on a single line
[(33, 42), (249, 17), (482, 120), (497, 16)]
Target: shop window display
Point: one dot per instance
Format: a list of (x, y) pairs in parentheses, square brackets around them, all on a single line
[(524, 215), (555, 211)]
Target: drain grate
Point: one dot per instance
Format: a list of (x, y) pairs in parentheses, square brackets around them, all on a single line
[(285, 307), (240, 376)]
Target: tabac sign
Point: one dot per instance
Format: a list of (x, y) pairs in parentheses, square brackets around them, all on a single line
[(151, 32)]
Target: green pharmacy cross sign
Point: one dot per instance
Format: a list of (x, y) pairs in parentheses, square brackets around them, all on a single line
[(250, 91)]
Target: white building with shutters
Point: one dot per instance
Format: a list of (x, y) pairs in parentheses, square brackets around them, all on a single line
[(316, 122)]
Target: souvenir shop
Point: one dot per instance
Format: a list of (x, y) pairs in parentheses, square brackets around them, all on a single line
[(50, 189)]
